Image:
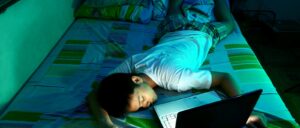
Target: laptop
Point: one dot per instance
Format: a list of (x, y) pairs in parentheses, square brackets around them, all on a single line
[(208, 110)]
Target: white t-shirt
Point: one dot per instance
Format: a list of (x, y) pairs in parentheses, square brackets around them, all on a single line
[(174, 63)]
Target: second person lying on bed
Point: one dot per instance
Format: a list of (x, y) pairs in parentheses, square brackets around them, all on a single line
[(172, 64)]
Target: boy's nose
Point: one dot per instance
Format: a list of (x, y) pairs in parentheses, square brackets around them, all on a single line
[(146, 104)]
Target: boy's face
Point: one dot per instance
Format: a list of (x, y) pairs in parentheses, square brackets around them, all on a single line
[(142, 97)]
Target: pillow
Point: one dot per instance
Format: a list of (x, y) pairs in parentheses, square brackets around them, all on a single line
[(160, 8), (126, 10)]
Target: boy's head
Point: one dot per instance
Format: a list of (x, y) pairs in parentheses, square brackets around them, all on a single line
[(122, 92)]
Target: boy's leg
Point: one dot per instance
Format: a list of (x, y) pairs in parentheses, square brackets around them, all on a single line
[(174, 20), (223, 14), (174, 7)]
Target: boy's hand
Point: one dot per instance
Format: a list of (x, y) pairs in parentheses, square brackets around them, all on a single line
[(255, 122), (100, 116)]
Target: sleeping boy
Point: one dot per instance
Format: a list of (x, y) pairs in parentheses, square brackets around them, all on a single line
[(185, 39)]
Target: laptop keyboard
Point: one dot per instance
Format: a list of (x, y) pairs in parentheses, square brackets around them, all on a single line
[(169, 121)]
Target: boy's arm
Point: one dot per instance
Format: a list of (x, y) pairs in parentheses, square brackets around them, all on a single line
[(100, 115), (224, 82)]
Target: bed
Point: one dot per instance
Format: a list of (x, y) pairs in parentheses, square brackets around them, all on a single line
[(55, 95)]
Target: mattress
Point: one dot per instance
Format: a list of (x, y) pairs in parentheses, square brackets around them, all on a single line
[(55, 94)]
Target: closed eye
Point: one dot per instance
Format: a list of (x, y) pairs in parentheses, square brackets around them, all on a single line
[(141, 99)]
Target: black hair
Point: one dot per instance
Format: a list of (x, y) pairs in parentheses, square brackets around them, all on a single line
[(114, 91)]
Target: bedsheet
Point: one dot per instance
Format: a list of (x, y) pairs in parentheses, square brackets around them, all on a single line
[(55, 95)]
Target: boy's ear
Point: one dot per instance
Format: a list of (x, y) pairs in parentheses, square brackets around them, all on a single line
[(137, 79)]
